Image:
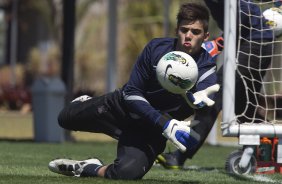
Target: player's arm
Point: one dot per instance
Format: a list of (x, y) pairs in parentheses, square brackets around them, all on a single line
[(204, 90), (178, 132), (133, 92)]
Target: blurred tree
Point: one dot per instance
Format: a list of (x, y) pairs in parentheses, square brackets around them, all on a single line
[(141, 21), (37, 23)]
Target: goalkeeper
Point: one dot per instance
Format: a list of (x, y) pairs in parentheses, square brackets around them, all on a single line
[(260, 45), (142, 116)]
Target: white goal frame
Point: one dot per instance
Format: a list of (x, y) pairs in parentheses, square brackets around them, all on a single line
[(248, 133)]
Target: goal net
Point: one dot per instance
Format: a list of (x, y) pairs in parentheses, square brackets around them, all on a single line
[(252, 79)]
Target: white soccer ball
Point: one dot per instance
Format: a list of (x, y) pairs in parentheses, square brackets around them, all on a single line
[(274, 17), (177, 72)]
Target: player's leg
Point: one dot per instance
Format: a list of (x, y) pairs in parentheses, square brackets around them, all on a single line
[(136, 153), (102, 114)]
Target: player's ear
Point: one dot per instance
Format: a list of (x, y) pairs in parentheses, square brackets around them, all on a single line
[(206, 36)]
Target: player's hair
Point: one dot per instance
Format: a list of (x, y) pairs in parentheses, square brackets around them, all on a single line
[(193, 12)]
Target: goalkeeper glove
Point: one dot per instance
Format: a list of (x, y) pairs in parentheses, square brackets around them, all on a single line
[(180, 134), (200, 98), (214, 47)]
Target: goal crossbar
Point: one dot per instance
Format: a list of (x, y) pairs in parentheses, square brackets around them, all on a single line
[(263, 130)]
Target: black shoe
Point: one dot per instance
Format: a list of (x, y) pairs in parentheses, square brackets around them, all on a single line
[(169, 161)]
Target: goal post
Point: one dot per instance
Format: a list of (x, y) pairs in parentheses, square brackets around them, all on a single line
[(267, 99), (228, 115)]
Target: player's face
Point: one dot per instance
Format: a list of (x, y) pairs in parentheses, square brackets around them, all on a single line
[(191, 36)]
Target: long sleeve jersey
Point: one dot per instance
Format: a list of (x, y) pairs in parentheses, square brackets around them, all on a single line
[(144, 96)]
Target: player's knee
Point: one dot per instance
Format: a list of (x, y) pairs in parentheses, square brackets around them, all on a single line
[(129, 173), (65, 118), (62, 118)]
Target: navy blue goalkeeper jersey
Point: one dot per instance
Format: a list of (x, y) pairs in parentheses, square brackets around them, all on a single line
[(144, 96)]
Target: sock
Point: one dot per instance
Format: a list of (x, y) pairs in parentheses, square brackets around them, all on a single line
[(90, 170)]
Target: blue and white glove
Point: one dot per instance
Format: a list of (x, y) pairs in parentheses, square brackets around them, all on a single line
[(180, 134), (200, 99)]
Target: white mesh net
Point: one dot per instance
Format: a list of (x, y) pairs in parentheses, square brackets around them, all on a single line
[(259, 63)]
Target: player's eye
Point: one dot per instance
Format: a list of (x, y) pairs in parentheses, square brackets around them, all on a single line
[(196, 31), (185, 30)]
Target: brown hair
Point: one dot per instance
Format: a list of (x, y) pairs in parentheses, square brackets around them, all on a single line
[(193, 12)]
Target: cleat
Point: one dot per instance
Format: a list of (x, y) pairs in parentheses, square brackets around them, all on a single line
[(70, 167), (169, 161)]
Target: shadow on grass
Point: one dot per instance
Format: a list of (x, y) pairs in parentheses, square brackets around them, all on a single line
[(164, 181), (16, 140), (203, 169)]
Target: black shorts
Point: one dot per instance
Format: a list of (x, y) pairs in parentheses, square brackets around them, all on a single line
[(139, 142)]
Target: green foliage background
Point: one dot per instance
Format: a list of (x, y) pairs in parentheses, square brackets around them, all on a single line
[(138, 22)]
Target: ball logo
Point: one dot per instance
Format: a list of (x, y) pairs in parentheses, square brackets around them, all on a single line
[(274, 19), (167, 67), (271, 23), (175, 79), (177, 72), (179, 82), (176, 57)]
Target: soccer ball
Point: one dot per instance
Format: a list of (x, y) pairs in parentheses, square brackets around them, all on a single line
[(274, 19), (177, 72)]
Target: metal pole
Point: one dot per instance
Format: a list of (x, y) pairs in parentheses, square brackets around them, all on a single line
[(68, 51), (14, 38), (68, 46), (228, 109), (166, 17), (112, 40)]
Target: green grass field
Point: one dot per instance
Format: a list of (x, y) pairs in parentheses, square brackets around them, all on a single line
[(24, 161)]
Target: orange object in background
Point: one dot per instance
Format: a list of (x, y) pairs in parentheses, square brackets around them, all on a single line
[(266, 155)]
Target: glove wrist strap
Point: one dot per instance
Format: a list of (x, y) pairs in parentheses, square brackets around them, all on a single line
[(163, 120)]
